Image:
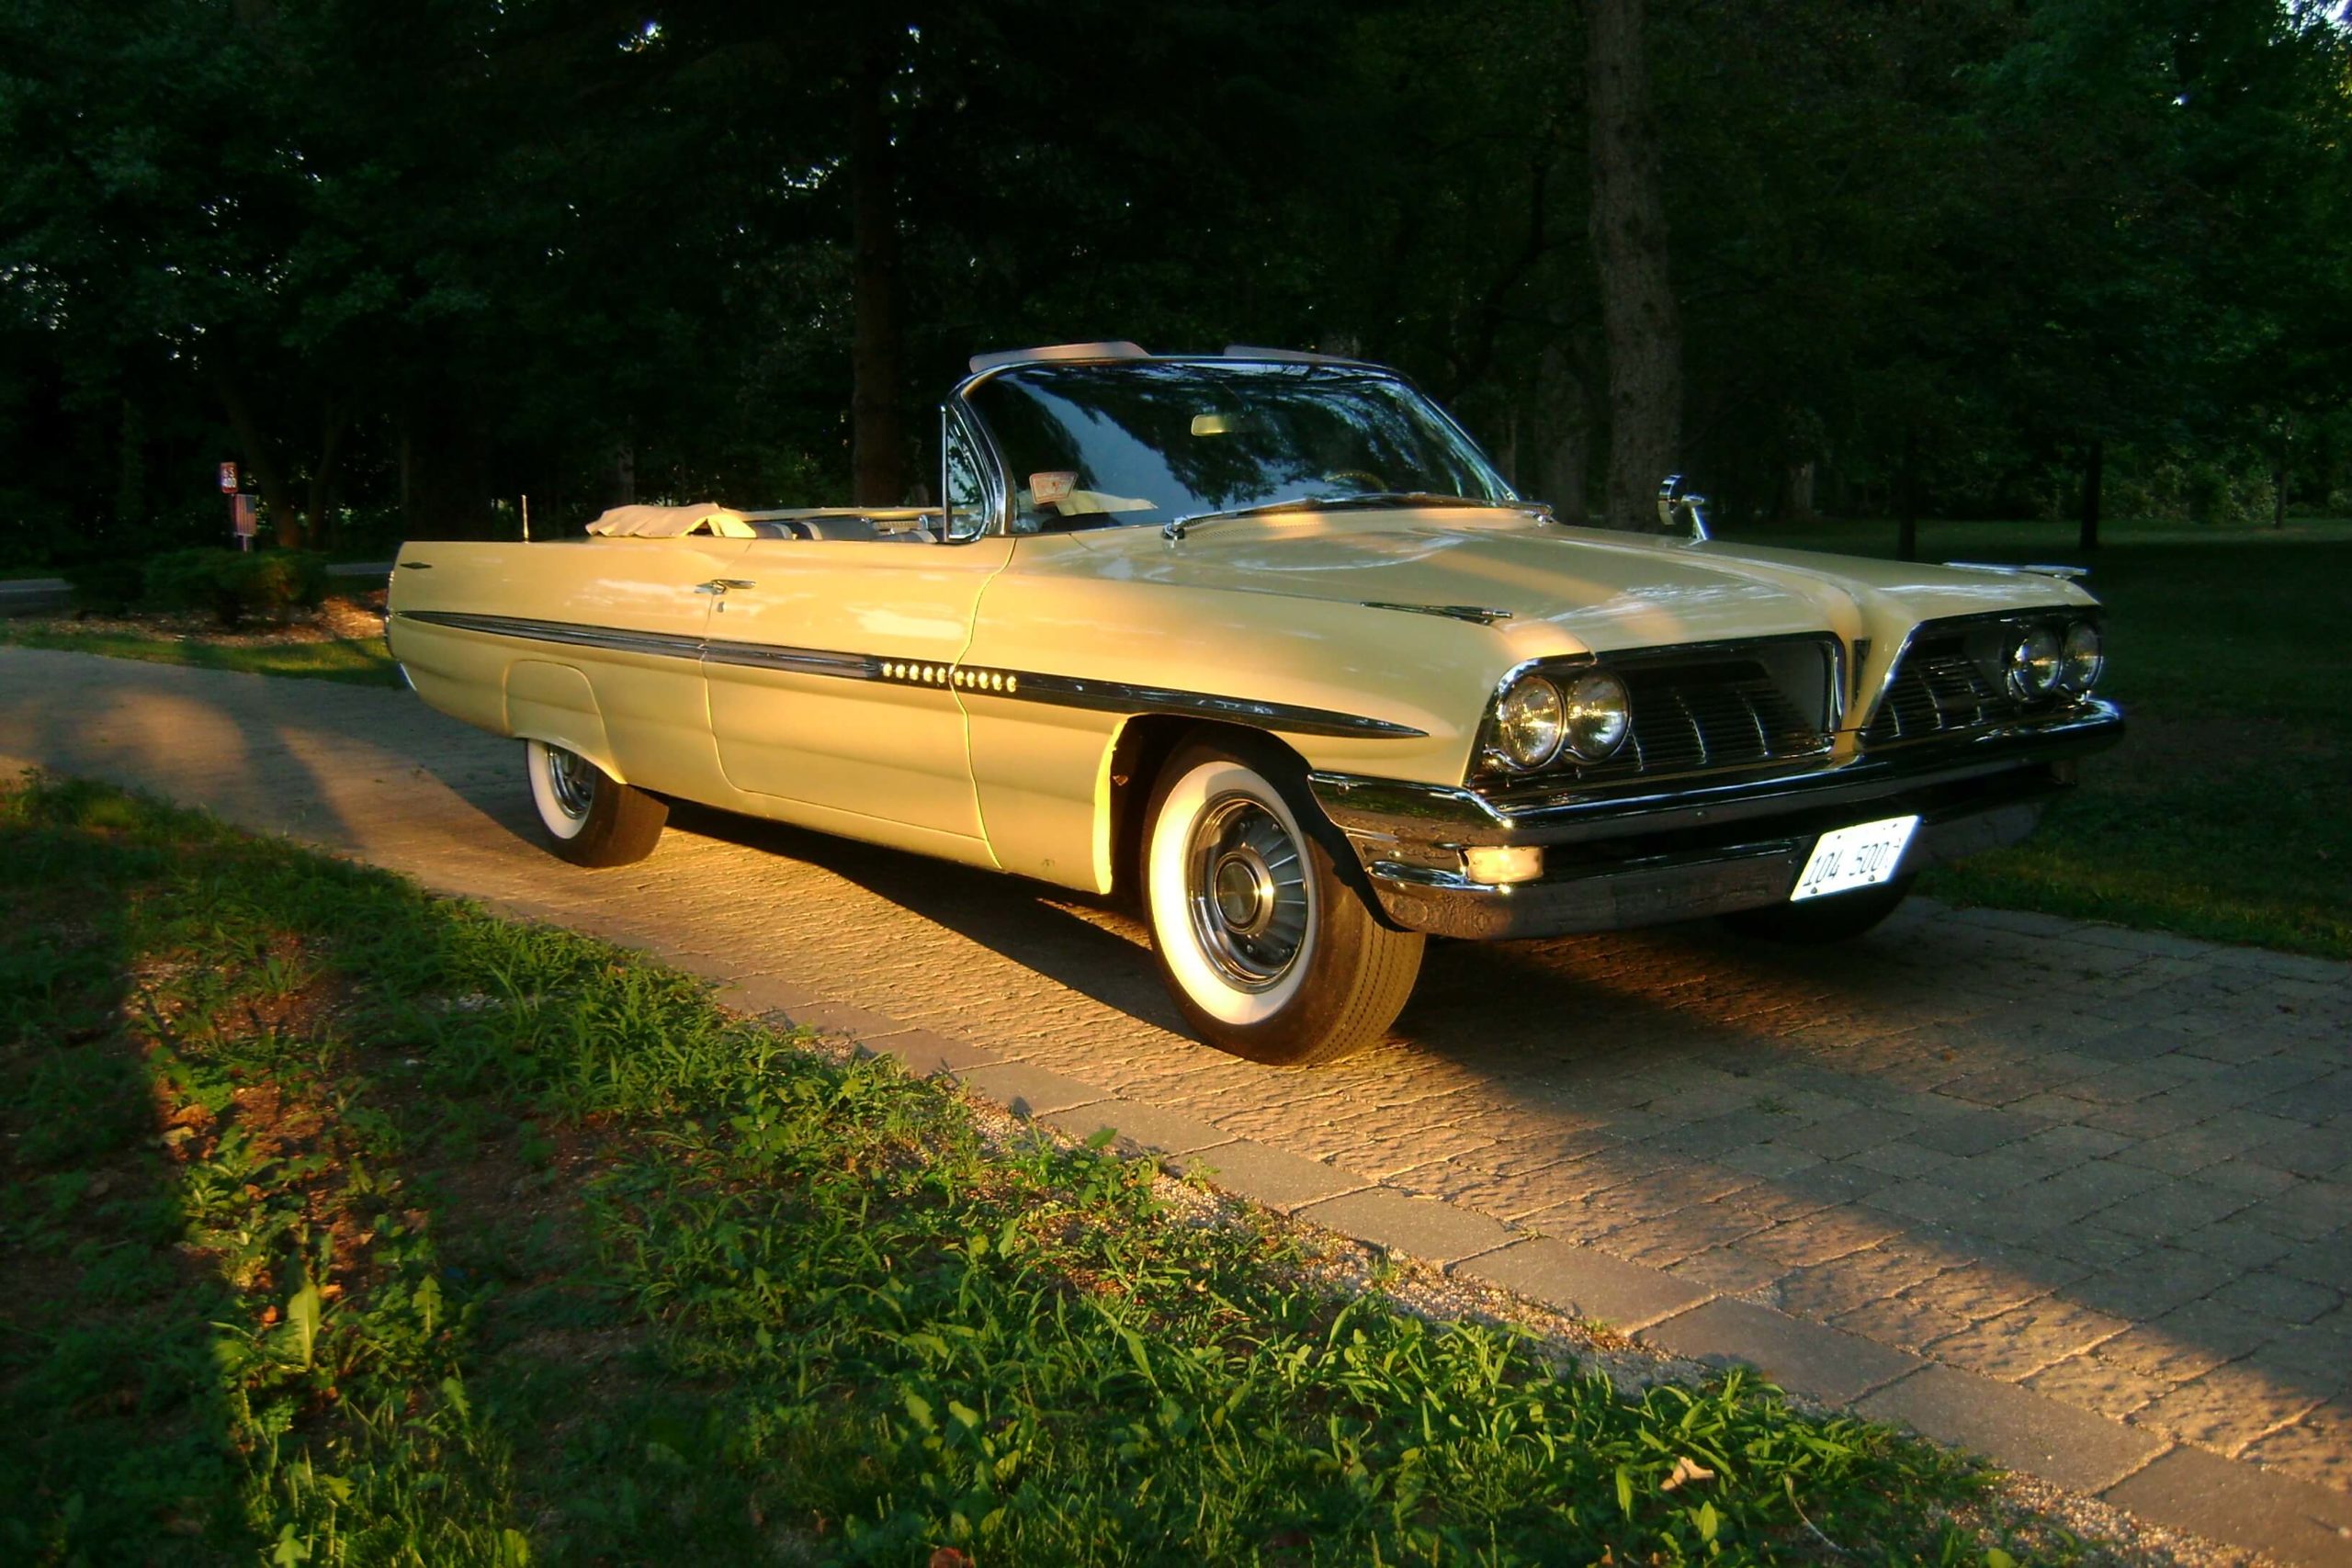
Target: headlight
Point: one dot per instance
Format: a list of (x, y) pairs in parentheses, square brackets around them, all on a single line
[(2085, 660), (1528, 723), (2034, 664), (1599, 715)]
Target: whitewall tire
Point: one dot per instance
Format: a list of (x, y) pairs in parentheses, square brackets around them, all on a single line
[(1269, 951), (591, 818)]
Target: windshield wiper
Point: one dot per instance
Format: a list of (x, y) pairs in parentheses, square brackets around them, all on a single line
[(1175, 527)]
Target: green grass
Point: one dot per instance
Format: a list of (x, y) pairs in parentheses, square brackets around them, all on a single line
[(2224, 813), (362, 662), (349, 1225)]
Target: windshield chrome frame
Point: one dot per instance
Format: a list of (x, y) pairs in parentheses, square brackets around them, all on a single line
[(959, 399)]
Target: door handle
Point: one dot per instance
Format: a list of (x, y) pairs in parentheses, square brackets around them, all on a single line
[(721, 585)]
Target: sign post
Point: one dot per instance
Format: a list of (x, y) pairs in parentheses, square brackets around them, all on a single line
[(242, 519)]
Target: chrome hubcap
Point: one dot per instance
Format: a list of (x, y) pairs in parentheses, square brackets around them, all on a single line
[(573, 781), (1245, 882)]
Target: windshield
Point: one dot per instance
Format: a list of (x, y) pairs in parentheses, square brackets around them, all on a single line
[(1102, 445)]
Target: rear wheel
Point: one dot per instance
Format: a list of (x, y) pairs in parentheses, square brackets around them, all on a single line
[(1838, 918), (591, 818), (1267, 949)]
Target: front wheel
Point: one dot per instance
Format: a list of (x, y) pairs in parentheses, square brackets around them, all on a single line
[(1836, 918), (591, 818), (1266, 951)]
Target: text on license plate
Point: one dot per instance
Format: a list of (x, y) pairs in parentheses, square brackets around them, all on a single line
[(1861, 856)]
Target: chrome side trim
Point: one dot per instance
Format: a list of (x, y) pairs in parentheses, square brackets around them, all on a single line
[(799, 660), (1014, 685), (1117, 696), (612, 638)]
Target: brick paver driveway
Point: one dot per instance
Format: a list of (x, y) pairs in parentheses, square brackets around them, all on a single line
[(2111, 1167)]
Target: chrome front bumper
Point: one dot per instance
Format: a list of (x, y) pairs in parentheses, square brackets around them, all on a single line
[(1626, 858)]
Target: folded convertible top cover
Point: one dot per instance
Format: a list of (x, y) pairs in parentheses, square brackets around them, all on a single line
[(672, 522)]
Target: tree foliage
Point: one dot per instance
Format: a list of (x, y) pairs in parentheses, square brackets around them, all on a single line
[(410, 262)]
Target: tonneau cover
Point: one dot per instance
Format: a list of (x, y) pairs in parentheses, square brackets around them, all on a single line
[(672, 522)]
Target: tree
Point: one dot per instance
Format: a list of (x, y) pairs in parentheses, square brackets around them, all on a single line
[(1638, 310)]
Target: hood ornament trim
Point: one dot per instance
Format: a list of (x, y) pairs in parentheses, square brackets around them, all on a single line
[(1482, 617), (2044, 568)]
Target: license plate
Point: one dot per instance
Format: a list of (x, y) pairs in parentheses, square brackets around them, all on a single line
[(1861, 856)]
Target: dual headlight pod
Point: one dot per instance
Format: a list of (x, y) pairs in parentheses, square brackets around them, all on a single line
[(2042, 662), (1586, 716)]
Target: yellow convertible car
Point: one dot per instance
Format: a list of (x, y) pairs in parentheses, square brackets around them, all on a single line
[(1263, 639)]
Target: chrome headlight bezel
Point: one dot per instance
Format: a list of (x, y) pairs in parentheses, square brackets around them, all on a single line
[(1542, 718), (1598, 716), (2035, 664), (1528, 724), (2082, 657)]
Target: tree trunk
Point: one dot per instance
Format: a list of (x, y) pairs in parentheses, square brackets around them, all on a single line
[(875, 440), (1639, 318), (1506, 452), (319, 512), (624, 473), (1800, 483), (131, 474), (1567, 410), (408, 514), (1906, 532), (2094, 493), (2281, 473)]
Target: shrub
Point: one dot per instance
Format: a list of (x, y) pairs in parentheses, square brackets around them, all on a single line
[(235, 584), (104, 585)]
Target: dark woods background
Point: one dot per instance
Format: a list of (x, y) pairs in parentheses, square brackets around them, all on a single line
[(407, 263)]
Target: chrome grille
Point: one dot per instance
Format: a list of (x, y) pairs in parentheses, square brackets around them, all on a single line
[(1947, 682), (1725, 715)]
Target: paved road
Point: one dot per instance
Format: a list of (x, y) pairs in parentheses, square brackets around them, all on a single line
[(2109, 1167)]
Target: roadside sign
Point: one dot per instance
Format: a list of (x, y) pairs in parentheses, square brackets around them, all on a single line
[(229, 478), (247, 511)]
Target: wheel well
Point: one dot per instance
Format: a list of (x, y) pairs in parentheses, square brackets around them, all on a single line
[(1144, 745)]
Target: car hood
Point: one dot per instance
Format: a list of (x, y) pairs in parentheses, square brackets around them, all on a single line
[(1558, 589)]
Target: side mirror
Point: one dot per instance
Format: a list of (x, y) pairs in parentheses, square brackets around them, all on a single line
[(1672, 499)]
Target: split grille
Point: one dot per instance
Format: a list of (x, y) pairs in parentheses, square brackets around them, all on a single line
[(1949, 681), (1935, 693)]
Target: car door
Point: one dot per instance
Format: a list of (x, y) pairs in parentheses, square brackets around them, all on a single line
[(831, 683)]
